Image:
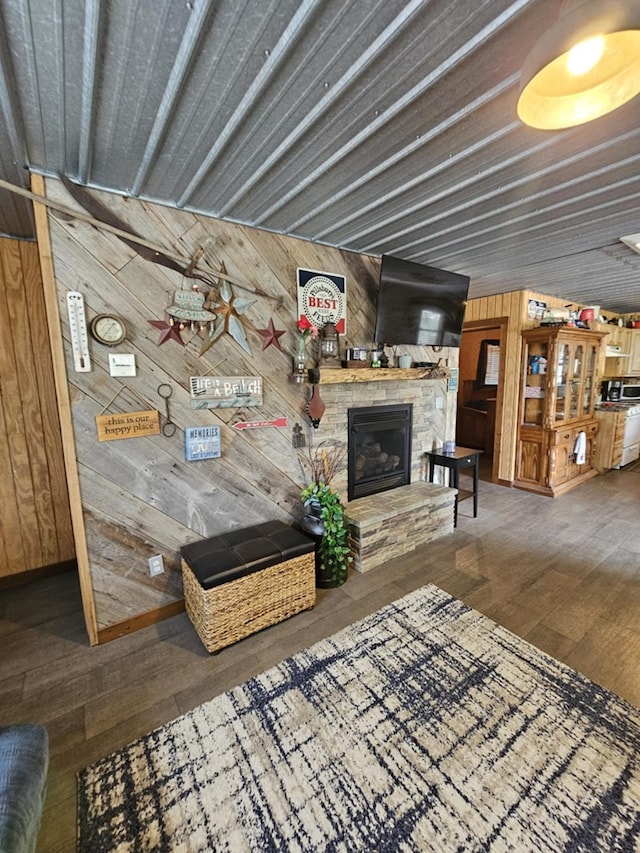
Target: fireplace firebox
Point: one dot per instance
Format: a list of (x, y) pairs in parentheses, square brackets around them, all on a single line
[(379, 449)]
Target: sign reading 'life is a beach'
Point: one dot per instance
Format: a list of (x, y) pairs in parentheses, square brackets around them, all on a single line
[(228, 392)]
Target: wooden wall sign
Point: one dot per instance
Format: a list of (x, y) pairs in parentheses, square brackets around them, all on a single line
[(275, 422), (128, 425), (228, 392), (202, 443)]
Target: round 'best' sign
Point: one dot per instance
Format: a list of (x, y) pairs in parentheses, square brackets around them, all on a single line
[(322, 298)]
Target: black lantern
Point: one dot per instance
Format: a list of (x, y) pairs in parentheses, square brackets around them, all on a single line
[(329, 349)]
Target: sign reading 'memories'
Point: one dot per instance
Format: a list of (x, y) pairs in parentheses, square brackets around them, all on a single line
[(229, 392), (202, 443)]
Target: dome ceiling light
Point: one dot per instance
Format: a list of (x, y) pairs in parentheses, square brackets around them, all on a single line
[(586, 65), (632, 241)]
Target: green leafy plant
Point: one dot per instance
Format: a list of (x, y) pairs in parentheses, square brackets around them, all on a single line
[(320, 497), (333, 550)]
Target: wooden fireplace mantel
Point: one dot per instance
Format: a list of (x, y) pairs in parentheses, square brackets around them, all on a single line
[(337, 375)]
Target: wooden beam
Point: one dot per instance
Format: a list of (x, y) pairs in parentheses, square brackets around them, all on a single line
[(337, 375), (64, 409)]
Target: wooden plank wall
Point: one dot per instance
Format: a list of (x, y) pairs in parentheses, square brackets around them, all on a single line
[(139, 497), (35, 522)]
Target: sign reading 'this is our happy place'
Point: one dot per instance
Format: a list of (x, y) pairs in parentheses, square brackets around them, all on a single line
[(128, 425)]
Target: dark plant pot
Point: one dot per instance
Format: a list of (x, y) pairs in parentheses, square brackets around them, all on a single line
[(313, 526), (324, 579)]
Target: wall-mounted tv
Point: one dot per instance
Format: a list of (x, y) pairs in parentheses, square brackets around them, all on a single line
[(420, 305)]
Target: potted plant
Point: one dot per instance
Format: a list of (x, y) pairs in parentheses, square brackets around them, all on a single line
[(324, 518)]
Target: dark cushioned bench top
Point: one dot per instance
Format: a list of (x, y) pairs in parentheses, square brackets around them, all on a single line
[(232, 555)]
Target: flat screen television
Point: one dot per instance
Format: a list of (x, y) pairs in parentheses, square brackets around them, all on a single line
[(419, 305)]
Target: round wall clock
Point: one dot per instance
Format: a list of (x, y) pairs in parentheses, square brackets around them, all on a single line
[(108, 329)]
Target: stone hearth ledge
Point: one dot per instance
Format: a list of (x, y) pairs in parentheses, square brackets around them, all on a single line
[(389, 524)]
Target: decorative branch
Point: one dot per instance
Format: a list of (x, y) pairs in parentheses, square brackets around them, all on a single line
[(155, 253), (324, 462)]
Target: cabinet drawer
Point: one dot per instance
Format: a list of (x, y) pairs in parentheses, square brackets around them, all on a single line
[(569, 436), (562, 436), (590, 431)]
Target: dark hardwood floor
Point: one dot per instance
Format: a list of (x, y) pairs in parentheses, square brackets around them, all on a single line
[(563, 573)]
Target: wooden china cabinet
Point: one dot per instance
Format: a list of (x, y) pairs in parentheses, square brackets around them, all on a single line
[(557, 398)]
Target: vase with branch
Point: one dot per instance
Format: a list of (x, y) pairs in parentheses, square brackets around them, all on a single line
[(325, 516), (305, 331)]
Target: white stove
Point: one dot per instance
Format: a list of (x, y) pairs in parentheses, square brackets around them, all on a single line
[(631, 440)]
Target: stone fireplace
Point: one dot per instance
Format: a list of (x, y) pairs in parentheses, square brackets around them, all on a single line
[(379, 449), (393, 522), (433, 416)]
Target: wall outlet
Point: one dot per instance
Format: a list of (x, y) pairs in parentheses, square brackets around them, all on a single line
[(156, 565), (439, 402)]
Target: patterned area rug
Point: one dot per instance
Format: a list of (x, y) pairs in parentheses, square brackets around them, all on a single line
[(423, 727)]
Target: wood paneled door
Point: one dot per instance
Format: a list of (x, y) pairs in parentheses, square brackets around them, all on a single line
[(35, 522)]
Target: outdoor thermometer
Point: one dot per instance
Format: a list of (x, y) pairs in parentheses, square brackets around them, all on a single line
[(78, 332)]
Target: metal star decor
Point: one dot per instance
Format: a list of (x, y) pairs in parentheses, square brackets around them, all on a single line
[(168, 331), (270, 335), (228, 311)]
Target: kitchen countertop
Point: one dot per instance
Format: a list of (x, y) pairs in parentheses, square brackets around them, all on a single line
[(616, 407)]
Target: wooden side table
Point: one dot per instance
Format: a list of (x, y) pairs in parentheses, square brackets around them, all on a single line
[(461, 457)]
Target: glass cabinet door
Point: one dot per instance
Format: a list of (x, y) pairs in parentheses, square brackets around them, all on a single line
[(535, 383), (575, 385), (589, 376), (562, 381)]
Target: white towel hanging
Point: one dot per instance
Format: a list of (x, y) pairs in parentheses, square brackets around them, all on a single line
[(580, 448)]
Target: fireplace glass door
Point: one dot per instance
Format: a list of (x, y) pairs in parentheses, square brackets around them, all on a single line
[(379, 449)]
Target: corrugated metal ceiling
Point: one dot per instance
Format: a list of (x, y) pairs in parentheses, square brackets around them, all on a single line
[(375, 125)]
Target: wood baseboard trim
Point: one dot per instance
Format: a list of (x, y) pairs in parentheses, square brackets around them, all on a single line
[(121, 629), (22, 578), (507, 483)]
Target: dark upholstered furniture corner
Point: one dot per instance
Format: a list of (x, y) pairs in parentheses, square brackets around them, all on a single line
[(24, 763)]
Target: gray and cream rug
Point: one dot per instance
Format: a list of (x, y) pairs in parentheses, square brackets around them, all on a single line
[(425, 726)]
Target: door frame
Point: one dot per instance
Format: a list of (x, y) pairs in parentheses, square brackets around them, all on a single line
[(498, 326)]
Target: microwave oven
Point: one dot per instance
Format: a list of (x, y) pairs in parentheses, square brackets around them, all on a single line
[(630, 393)]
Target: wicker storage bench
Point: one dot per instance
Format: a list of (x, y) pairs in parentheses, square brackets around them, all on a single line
[(240, 582)]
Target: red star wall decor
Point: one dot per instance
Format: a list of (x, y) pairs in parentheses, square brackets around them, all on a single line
[(168, 331), (270, 335)]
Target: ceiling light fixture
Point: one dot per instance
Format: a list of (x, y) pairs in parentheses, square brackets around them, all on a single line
[(586, 65), (632, 241)]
